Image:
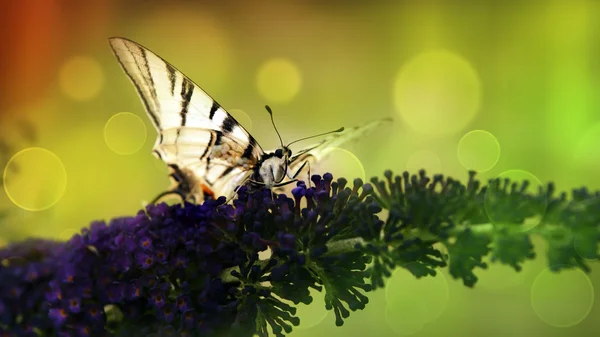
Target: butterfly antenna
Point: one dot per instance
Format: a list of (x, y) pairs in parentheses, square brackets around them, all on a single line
[(319, 135), (273, 122)]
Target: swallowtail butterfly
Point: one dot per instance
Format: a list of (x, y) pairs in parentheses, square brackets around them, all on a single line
[(207, 151)]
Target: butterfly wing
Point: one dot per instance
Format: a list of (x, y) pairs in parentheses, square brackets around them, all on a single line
[(316, 152), (207, 150)]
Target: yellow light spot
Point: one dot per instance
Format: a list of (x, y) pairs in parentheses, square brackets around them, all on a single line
[(404, 313), (13, 261), (437, 92), (478, 150), (314, 313), (586, 152), (81, 78), (279, 80), (242, 117), (432, 292), (67, 234), (125, 133), (562, 299), (38, 183), (340, 163), (424, 159), (495, 208)]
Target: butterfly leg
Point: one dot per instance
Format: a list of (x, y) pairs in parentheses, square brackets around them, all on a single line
[(235, 192), (256, 182), (285, 183), (166, 193), (300, 169), (308, 178)]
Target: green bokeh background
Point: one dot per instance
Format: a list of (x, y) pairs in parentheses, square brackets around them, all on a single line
[(525, 72)]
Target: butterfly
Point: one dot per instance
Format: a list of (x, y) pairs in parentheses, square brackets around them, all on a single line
[(207, 151)]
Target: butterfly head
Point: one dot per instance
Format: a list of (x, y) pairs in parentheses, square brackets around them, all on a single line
[(284, 152)]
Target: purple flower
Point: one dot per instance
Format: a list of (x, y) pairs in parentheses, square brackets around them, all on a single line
[(161, 255), (145, 243), (189, 319), (157, 297), (58, 315), (26, 271), (119, 264), (125, 242), (162, 269), (82, 330), (134, 290), (73, 304), (54, 292), (85, 288), (68, 274), (183, 303), (94, 313), (116, 292), (144, 260), (167, 313), (180, 260)]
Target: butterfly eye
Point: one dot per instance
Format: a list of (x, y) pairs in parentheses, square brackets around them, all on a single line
[(289, 152), (279, 153)]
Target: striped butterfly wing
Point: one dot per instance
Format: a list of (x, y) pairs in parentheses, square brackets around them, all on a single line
[(206, 149), (316, 152)]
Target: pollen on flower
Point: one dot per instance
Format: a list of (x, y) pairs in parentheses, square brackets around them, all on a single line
[(145, 243), (85, 330), (74, 305)]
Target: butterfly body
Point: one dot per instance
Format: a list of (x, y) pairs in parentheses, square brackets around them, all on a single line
[(273, 168), (207, 151)]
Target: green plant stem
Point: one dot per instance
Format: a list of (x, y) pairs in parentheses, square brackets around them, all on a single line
[(349, 245)]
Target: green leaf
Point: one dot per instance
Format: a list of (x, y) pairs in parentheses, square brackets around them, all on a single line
[(466, 254)]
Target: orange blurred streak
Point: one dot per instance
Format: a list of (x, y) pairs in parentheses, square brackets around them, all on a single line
[(36, 37), (32, 38)]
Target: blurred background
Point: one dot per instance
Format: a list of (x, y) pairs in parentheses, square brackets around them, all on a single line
[(504, 88)]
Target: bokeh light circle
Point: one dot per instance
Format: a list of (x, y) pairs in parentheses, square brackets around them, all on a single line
[(314, 313), (478, 150), (67, 234), (339, 162), (279, 80), (432, 292), (125, 133), (586, 247), (499, 276), (497, 210), (437, 92), (424, 159), (13, 261), (39, 181), (404, 313), (242, 117), (81, 78), (562, 299)]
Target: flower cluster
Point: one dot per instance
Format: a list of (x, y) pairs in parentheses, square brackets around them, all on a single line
[(26, 268), (238, 269), (472, 221)]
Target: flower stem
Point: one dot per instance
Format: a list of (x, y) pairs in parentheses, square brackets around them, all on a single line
[(349, 245)]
